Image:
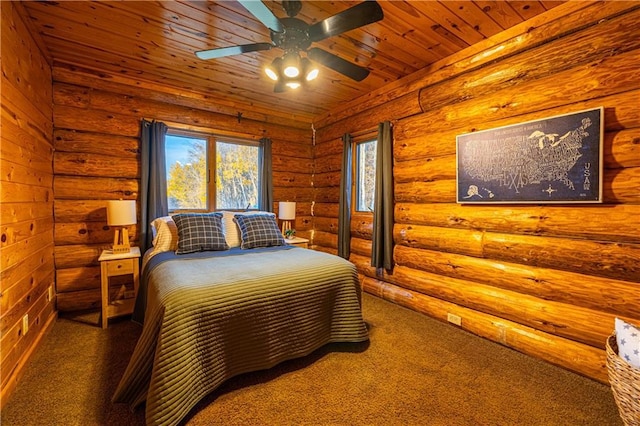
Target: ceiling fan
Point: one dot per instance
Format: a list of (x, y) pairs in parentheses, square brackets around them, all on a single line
[(294, 36)]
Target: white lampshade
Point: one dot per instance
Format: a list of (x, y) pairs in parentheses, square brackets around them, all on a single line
[(286, 210), (121, 212)]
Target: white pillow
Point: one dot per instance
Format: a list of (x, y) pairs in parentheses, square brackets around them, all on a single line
[(165, 234), (230, 228), (628, 339)]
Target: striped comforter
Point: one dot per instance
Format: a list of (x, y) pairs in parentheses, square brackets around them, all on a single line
[(209, 318)]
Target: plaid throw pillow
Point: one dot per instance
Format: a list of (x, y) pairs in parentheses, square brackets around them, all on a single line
[(199, 232), (231, 231), (258, 230)]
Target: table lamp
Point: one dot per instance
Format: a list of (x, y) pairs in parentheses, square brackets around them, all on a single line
[(121, 213), (286, 213)]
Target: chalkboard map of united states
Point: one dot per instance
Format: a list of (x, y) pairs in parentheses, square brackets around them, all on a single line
[(552, 160)]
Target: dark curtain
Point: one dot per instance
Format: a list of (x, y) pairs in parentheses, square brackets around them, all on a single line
[(344, 208), (153, 178), (265, 170), (382, 248)]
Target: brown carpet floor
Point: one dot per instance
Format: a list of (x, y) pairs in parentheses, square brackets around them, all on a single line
[(414, 371)]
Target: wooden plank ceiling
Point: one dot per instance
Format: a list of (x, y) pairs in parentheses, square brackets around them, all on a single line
[(155, 41)]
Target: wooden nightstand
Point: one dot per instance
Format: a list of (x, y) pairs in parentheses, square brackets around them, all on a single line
[(112, 265), (297, 241)]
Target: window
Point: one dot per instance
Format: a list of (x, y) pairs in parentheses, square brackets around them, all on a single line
[(236, 175), (186, 158), (208, 173), (365, 180)]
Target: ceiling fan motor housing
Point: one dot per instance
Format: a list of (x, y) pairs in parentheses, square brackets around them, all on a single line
[(295, 36)]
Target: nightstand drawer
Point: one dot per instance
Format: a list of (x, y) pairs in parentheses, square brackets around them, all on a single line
[(120, 267)]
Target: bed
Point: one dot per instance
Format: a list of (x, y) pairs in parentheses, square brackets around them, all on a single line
[(210, 315)]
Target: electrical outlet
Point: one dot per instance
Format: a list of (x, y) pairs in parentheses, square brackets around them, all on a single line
[(25, 324), (50, 293), (454, 319)]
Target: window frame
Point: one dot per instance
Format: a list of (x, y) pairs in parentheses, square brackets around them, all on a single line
[(367, 138), (235, 141), (211, 161)]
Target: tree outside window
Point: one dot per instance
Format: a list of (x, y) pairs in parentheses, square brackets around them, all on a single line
[(365, 175), (186, 161), (236, 176), (190, 158)]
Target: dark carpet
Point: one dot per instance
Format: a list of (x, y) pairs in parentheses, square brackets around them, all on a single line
[(414, 371)]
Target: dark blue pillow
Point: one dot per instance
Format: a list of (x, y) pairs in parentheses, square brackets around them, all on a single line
[(199, 232), (258, 230)]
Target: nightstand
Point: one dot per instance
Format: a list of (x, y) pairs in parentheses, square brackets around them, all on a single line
[(112, 265), (297, 241)]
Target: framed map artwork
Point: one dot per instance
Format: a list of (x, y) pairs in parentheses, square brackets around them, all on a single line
[(553, 160)]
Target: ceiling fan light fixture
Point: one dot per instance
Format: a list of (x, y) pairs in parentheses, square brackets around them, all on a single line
[(273, 70), (271, 73), (291, 64), (310, 71), (291, 71), (313, 74), (289, 83)]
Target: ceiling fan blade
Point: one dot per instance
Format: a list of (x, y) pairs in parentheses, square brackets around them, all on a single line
[(221, 52), (264, 15), (338, 64), (361, 14)]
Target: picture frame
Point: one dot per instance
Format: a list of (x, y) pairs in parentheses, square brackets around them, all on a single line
[(552, 160)]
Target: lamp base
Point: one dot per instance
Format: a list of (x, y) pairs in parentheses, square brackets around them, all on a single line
[(121, 241), (286, 225), (121, 249)]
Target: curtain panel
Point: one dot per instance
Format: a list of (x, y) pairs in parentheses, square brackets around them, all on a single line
[(382, 247), (153, 178), (344, 207), (265, 170)]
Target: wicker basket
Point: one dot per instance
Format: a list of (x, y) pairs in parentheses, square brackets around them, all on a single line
[(625, 384)]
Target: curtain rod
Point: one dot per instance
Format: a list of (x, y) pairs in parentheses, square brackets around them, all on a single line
[(206, 130), (365, 134)]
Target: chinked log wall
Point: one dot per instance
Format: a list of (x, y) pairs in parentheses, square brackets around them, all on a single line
[(546, 280), (26, 196), (96, 134)]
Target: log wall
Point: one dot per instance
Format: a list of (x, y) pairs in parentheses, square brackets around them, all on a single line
[(546, 280), (97, 146), (26, 196)]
